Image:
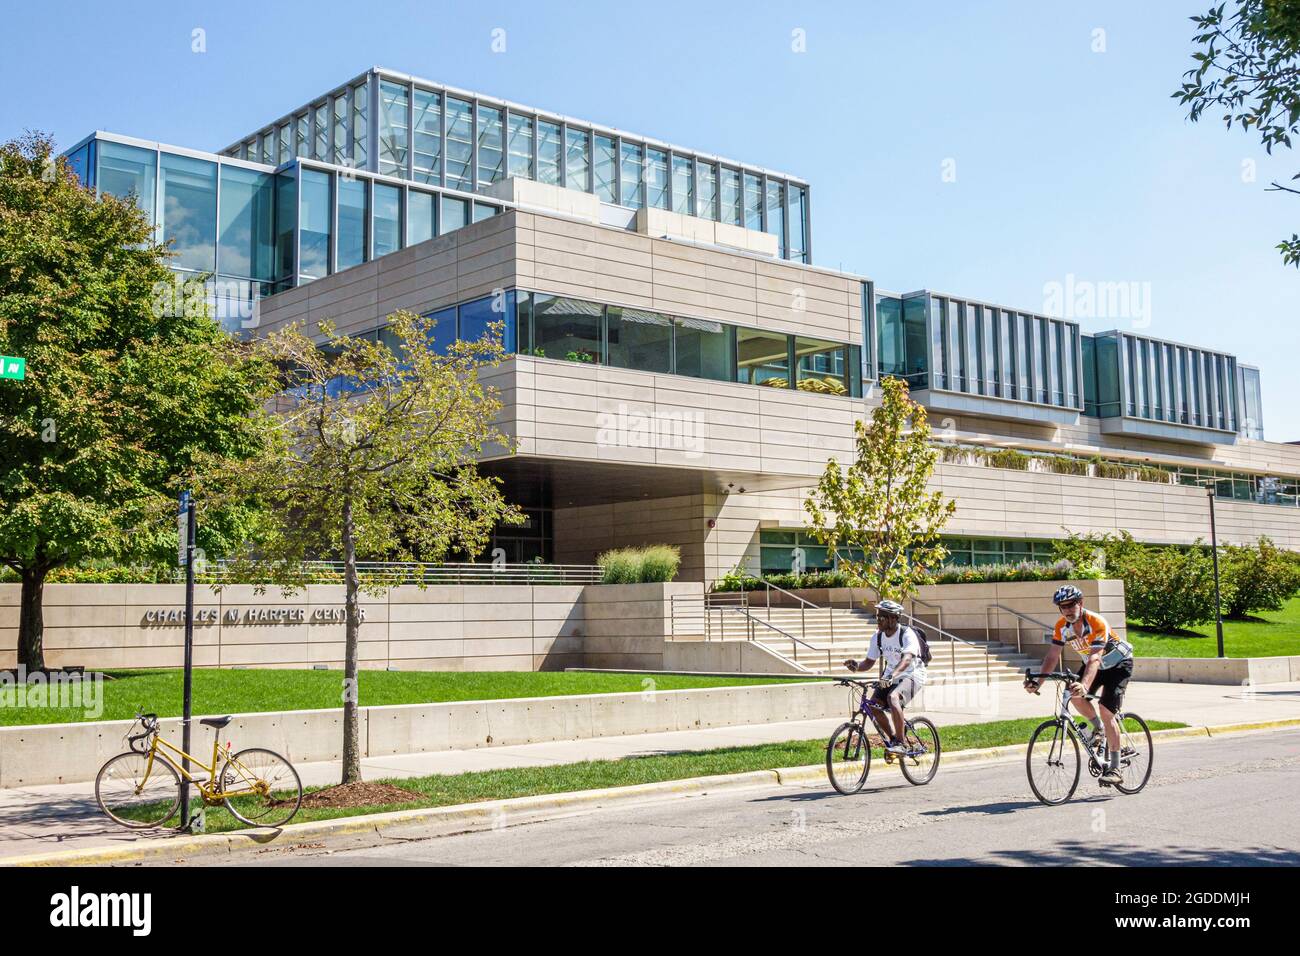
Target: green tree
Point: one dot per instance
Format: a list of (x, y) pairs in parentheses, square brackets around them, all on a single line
[(877, 514), (125, 386), (1259, 577), (1248, 66), (1171, 588), (371, 455)]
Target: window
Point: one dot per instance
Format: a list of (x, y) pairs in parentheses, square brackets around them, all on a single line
[(656, 178), (706, 206), (426, 154), (639, 339), (970, 330), (753, 203), (777, 548), (548, 153), (352, 223), (1024, 364), (302, 134), (286, 224), (128, 171), (320, 114), (420, 223), (453, 214), (683, 185), (520, 146), (187, 205), (1039, 355), (820, 366), (1007, 337), (762, 358), (246, 246), (483, 211), (631, 192), (490, 156), (704, 349), (732, 211), (798, 224), (283, 144), (342, 115), (360, 128), (460, 144), (315, 216), (565, 328), (577, 160), (443, 333), (605, 170), (1054, 353), (387, 219), (1252, 421), (775, 214), (478, 317)]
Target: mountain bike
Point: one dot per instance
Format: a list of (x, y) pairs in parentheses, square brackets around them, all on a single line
[(1054, 762), (848, 754), (142, 787)]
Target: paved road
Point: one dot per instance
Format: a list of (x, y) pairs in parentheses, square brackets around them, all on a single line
[(1223, 801)]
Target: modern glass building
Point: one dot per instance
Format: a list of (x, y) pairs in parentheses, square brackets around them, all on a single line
[(650, 292)]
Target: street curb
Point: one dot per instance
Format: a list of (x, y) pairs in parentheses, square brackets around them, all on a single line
[(525, 809)]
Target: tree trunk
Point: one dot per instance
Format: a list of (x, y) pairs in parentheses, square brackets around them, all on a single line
[(351, 744), (31, 620)]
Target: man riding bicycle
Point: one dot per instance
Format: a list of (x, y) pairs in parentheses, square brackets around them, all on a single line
[(904, 669), (1107, 668)]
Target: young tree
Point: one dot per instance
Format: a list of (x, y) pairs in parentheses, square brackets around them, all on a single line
[(1248, 65), (879, 506), (372, 454), (125, 384), (1259, 577)]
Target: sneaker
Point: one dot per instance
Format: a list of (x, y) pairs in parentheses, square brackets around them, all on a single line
[(895, 747), (1111, 777)]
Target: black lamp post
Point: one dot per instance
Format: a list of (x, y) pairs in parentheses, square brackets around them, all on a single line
[(1214, 551)]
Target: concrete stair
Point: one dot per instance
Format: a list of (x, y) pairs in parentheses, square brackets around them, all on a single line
[(832, 635)]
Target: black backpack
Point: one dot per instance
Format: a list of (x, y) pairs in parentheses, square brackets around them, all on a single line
[(925, 645)]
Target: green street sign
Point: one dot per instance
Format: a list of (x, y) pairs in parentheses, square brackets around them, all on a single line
[(13, 367)]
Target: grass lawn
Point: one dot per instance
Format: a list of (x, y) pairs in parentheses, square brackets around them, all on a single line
[(1268, 634), (252, 691), (441, 790)]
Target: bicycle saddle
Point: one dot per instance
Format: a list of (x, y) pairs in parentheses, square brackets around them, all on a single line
[(216, 722)]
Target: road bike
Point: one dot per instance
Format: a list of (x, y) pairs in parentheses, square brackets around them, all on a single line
[(141, 788), (848, 754), (1054, 762)]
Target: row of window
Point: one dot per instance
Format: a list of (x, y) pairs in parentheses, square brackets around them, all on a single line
[(346, 220), (779, 548), (959, 346), (434, 136), (561, 327), (1161, 381)]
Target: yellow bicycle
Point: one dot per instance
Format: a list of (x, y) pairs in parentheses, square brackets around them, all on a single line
[(142, 787)]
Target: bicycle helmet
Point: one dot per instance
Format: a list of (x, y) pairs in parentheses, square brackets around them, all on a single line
[(1066, 592), (890, 607)]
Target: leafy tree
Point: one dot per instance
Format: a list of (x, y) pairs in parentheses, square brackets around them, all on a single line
[(371, 454), (877, 514), (124, 388), (1259, 577), (1248, 65)]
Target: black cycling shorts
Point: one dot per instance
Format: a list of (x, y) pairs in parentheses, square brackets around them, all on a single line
[(1110, 683)]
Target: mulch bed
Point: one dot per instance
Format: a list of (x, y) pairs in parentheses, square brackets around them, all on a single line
[(360, 794)]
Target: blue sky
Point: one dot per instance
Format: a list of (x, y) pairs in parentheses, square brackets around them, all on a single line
[(984, 149)]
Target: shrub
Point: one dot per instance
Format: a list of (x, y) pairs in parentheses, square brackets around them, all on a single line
[(1170, 588), (1022, 571), (1259, 577), (653, 564)]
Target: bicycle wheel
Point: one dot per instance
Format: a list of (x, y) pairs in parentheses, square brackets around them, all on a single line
[(277, 789), (848, 758), (1136, 753), (1053, 763), (921, 762), (130, 798)]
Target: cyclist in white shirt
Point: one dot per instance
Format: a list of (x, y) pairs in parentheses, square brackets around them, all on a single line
[(904, 669)]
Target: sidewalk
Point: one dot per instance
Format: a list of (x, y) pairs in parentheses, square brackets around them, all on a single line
[(56, 817)]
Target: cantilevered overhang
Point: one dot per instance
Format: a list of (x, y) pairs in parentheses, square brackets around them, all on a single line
[(1167, 431), (986, 406)]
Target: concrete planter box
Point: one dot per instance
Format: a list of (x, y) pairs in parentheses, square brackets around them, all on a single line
[(1240, 671)]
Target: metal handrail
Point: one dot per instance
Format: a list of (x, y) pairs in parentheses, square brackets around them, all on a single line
[(1019, 616), (411, 572), (784, 633), (953, 639), (937, 608)]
